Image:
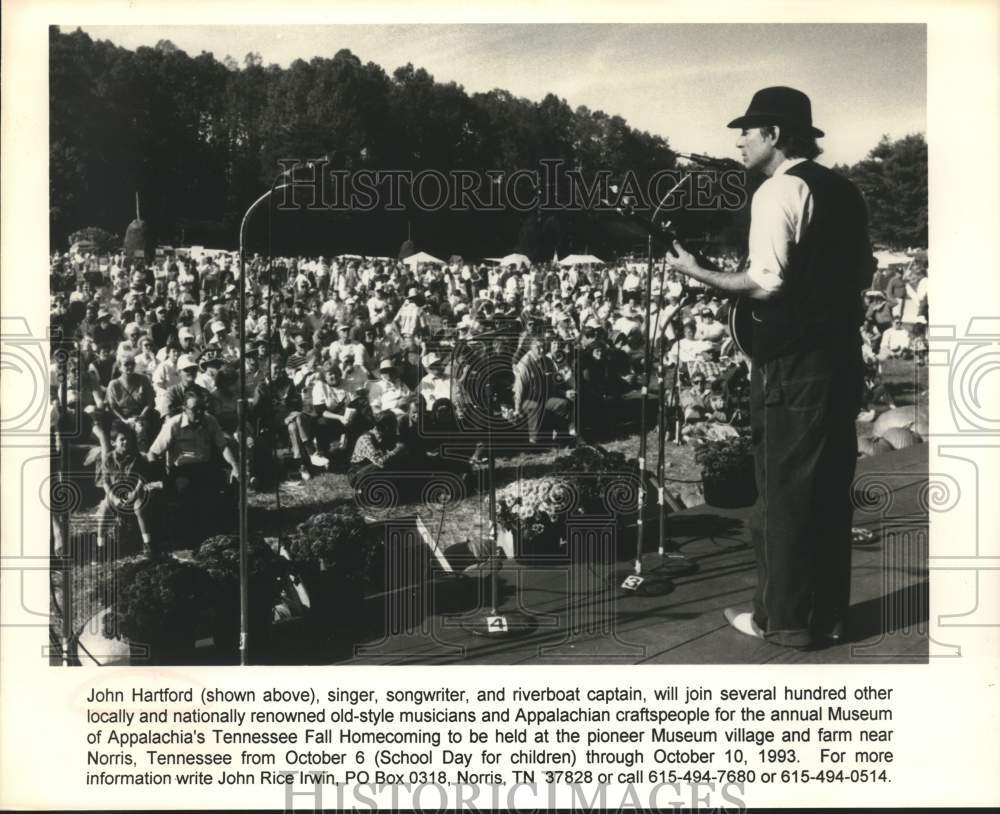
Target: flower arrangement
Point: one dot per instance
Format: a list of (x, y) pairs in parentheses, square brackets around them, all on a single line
[(727, 471), (597, 472), (534, 508), (340, 541), (721, 457), (156, 602)]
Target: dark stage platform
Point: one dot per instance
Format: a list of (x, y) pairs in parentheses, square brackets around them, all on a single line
[(582, 618)]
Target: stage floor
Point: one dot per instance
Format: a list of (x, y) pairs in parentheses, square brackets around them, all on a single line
[(582, 618)]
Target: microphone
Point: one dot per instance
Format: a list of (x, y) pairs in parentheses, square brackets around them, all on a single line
[(713, 163)]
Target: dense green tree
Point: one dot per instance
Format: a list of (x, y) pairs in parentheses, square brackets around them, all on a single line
[(200, 138), (893, 179)]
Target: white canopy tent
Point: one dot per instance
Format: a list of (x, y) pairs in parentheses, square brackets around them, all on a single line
[(422, 257), (371, 257), (581, 260), (515, 259), (886, 259)]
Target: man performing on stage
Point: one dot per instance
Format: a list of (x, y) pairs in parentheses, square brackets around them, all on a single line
[(809, 259)]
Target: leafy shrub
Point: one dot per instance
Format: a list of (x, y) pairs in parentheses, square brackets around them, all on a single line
[(219, 556), (341, 541), (156, 601), (104, 240), (600, 471)]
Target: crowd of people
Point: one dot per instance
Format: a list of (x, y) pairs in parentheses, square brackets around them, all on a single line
[(895, 325), (368, 366)]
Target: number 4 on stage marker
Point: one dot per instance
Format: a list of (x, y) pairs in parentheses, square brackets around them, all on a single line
[(632, 583), (496, 624)]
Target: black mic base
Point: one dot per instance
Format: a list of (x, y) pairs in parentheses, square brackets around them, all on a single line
[(502, 624)]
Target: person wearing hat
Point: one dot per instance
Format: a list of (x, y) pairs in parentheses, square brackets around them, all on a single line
[(809, 258), (298, 360), (187, 367), (389, 392), (435, 385), (106, 331), (409, 318), (878, 312), (186, 340), (210, 362), (162, 326)]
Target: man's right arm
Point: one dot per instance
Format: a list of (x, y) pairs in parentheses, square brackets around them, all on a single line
[(520, 374), (162, 441)]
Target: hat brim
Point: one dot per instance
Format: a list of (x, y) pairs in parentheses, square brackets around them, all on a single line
[(763, 120)]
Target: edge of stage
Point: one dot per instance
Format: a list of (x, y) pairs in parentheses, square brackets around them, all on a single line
[(578, 615)]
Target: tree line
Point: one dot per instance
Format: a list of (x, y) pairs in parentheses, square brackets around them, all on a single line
[(200, 138)]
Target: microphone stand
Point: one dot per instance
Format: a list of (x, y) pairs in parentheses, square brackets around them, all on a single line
[(657, 581), (497, 622)]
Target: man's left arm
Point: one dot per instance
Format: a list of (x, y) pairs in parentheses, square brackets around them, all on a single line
[(740, 283), (780, 210), (219, 438)]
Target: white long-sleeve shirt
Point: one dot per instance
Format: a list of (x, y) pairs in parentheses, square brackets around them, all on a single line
[(779, 214)]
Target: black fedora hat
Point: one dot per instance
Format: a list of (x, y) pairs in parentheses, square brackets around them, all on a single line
[(781, 106)]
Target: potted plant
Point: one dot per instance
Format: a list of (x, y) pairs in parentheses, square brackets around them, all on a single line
[(219, 556), (727, 471), (158, 603), (534, 512), (606, 481), (340, 557)]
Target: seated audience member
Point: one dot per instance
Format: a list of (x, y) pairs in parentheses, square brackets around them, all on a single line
[(435, 385), (539, 395), (165, 376), (191, 442), (328, 404), (145, 358), (125, 477), (895, 341), (130, 399), (709, 328), (187, 367), (377, 450), (389, 392), (277, 406), (689, 348)]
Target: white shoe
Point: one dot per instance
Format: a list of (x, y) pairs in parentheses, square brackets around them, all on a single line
[(742, 621), (319, 460)]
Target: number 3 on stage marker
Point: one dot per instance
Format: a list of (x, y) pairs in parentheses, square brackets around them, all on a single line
[(632, 583), (496, 624)]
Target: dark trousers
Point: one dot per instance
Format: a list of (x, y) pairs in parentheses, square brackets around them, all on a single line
[(553, 412), (803, 409), (205, 502)]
